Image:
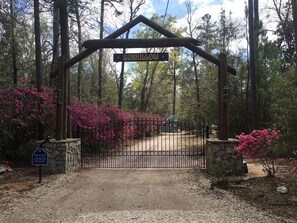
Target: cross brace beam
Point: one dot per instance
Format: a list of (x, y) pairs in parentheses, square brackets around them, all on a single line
[(139, 43)]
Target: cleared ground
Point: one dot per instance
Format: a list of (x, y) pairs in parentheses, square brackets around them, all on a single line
[(134, 195)]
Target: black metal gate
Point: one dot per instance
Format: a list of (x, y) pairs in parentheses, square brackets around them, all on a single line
[(144, 144)]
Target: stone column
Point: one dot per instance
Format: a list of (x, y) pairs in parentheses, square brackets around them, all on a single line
[(221, 159), (64, 156)]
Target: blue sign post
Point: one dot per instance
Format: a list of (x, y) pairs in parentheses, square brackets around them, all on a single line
[(39, 158)]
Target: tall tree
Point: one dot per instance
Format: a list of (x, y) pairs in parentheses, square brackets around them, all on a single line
[(100, 53), (257, 24), (227, 31), (176, 74), (65, 51), (37, 46), (13, 43), (247, 104), (254, 97), (79, 41), (285, 32), (5, 49), (56, 34), (191, 29), (133, 10), (149, 73), (294, 7), (38, 63), (75, 9), (209, 31)]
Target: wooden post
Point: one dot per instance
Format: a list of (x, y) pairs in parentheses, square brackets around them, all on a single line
[(65, 51), (223, 132), (65, 101), (60, 99)]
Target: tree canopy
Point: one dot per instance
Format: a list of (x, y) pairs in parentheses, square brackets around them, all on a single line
[(186, 85)]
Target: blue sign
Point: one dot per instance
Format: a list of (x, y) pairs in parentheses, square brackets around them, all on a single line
[(39, 157)]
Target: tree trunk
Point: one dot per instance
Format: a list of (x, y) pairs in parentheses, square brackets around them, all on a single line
[(256, 23), (66, 53), (294, 8), (56, 33), (254, 101), (247, 95), (93, 90), (149, 91), (100, 54), (256, 35), (143, 89), (122, 76), (133, 12), (284, 24), (100, 74), (190, 14), (174, 89), (38, 65), (121, 85), (79, 68), (37, 46), (196, 83), (13, 45)]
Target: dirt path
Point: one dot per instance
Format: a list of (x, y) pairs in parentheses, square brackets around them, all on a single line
[(134, 195), (179, 141)]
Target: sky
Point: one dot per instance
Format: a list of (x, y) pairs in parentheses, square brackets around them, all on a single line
[(213, 7)]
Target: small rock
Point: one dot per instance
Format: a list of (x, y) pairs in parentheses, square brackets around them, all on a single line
[(293, 198), (238, 185), (282, 189), (245, 167), (2, 170), (5, 168)]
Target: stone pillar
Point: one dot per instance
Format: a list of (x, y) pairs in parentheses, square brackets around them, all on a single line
[(221, 159), (64, 156)]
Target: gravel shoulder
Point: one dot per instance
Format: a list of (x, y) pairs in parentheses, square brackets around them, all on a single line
[(128, 195)]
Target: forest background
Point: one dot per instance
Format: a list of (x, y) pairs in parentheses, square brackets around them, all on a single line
[(263, 96)]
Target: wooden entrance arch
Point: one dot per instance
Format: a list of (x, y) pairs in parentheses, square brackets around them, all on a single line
[(172, 40)]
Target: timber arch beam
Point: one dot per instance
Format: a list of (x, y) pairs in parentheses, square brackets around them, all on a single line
[(111, 42), (172, 40)]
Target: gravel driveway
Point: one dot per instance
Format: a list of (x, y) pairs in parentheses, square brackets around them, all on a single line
[(129, 195)]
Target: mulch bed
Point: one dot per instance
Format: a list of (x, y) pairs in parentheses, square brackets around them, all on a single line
[(19, 179), (262, 192)]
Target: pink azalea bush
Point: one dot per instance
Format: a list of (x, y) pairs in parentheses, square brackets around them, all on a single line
[(19, 106), (110, 125), (119, 124), (87, 116), (146, 124), (19, 113), (260, 144)]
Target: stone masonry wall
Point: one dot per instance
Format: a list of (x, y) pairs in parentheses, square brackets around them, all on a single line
[(221, 159), (64, 156)]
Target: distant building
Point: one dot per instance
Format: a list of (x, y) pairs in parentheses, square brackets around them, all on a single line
[(170, 124)]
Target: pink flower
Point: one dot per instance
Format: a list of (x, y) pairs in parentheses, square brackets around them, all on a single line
[(257, 144)]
